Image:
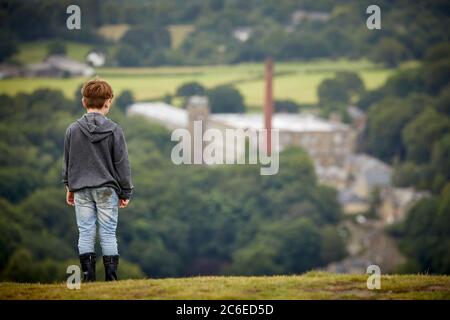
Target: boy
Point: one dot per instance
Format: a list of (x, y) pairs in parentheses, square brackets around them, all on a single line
[(97, 175)]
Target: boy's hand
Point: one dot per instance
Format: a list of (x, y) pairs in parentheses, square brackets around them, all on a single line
[(123, 203), (70, 198)]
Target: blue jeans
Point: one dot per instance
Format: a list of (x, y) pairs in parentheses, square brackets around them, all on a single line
[(92, 205)]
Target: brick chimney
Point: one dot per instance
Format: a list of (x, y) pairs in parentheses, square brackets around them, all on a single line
[(268, 104), (198, 112)]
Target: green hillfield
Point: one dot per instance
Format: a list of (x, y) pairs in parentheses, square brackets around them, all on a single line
[(297, 81), (312, 285)]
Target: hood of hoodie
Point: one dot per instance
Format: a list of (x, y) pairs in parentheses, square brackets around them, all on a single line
[(96, 126)]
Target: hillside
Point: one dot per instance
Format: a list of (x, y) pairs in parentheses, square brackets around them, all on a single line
[(36, 51), (312, 285), (296, 81)]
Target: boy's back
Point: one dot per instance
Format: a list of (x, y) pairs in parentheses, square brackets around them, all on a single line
[(95, 155)]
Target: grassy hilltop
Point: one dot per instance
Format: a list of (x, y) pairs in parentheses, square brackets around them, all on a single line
[(312, 285)]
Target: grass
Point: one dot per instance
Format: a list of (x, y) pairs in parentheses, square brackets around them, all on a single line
[(113, 32), (179, 32), (297, 81), (313, 285), (33, 52)]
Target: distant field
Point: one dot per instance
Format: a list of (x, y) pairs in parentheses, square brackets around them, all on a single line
[(113, 32), (179, 32), (313, 285), (33, 52), (297, 81), (294, 80)]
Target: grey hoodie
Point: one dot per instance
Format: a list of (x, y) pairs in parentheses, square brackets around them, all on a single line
[(95, 155)]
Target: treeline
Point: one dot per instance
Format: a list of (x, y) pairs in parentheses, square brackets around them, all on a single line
[(182, 221), (408, 126), (409, 28), (271, 32)]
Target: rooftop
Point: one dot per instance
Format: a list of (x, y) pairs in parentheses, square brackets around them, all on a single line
[(174, 117), (62, 63), (161, 112)]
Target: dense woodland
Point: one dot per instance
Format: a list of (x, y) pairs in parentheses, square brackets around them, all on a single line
[(409, 28)]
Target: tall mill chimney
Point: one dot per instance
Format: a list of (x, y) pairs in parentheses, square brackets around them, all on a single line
[(198, 113), (268, 104)]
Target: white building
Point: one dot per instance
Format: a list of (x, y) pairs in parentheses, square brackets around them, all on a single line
[(367, 173), (242, 34), (328, 143), (95, 59), (59, 66)]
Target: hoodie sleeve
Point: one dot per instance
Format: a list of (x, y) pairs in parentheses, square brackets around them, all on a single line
[(122, 164), (65, 166)]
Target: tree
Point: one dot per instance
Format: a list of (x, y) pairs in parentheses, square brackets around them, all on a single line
[(424, 235), (367, 99), (225, 99), (147, 37), (389, 52), (17, 182), (128, 56), (143, 45), (56, 48), (437, 75), (405, 82), (11, 235), (419, 135), (338, 42), (303, 46), (441, 51), (8, 45), (335, 94), (332, 92), (190, 89), (288, 106), (440, 156), (351, 81), (443, 101), (20, 267), (78, 94), (124, 100), (288, 246), (407, 174), (385, 124), (332, 245)]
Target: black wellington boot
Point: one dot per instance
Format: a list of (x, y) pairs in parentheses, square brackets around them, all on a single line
[(111, 263), (87, 261)]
